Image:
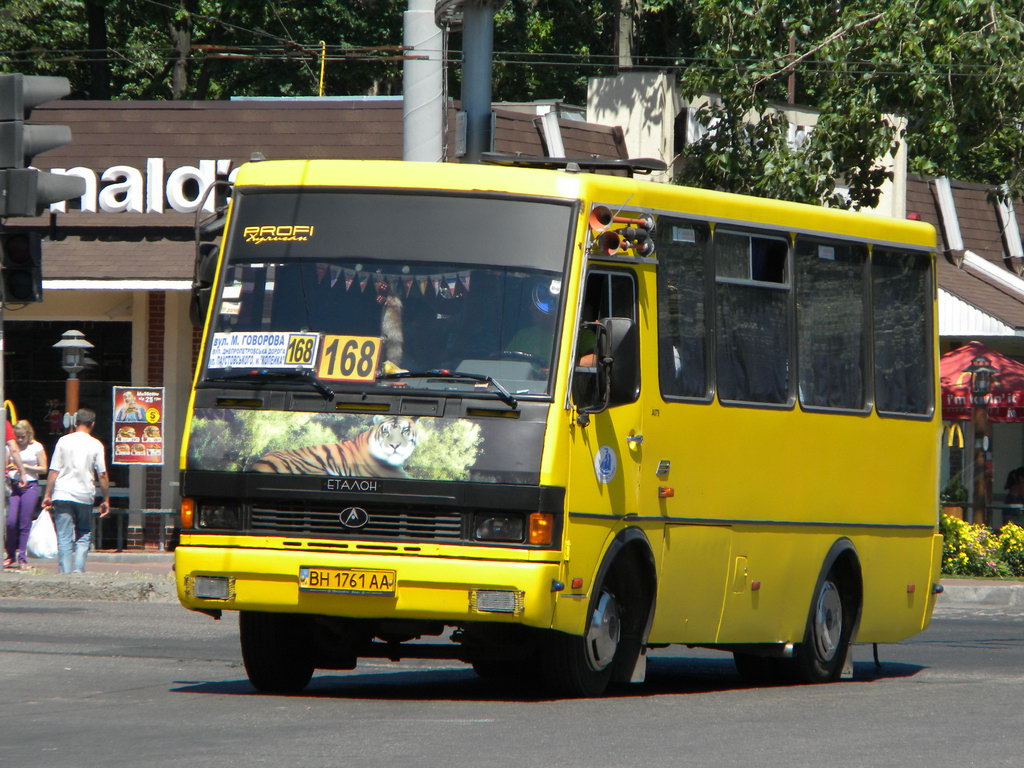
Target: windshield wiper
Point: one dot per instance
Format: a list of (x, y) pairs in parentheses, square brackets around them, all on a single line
[(263, 374), (503, 394)]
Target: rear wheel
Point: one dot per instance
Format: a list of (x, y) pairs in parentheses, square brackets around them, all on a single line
[(276, 651), (820, 657)]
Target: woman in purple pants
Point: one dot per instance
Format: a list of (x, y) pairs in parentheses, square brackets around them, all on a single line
[(22, 503)]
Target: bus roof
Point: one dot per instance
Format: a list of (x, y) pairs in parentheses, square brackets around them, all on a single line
[(710, 205)]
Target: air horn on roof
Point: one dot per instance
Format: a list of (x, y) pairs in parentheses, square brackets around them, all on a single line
[(637, 235), (601, 217)]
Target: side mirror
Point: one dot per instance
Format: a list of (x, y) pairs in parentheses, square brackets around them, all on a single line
[(624, 369), (590, 378), (615, 378), (203, 274)]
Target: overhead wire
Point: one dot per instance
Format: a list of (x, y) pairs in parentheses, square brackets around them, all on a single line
[(304, 54)]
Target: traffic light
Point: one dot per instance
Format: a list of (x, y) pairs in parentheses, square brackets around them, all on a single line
[(22, 260), (25, 191)]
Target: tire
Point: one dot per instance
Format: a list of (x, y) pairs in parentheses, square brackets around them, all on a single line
[(820, 657), (276, 651), (576, 667)]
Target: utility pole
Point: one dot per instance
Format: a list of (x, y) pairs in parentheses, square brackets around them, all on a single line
[(475, 121), (624, 35)]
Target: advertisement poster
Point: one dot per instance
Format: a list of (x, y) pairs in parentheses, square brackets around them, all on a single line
[(138, 425), (349, 445)]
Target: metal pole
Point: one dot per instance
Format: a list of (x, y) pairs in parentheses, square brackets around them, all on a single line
[(422, 85), (982, 483), (478, 49), (71, 390)]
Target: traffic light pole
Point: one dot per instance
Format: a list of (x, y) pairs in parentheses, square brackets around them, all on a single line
[(26, 191)]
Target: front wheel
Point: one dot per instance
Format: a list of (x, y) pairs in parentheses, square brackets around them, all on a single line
[(276, 651), (582, 666), (820, 657)]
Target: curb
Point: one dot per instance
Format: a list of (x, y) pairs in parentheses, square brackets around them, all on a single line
[(124, 587), (981, 595)]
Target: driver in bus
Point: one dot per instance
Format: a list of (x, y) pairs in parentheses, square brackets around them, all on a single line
[(534, 341)]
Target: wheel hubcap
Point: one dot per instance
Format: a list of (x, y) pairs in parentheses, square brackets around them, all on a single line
[(603, 635), (828, 621)]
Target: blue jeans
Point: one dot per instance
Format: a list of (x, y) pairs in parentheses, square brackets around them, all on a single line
[(73, 522)]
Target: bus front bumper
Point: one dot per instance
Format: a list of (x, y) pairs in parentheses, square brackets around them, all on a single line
[(430, 588)]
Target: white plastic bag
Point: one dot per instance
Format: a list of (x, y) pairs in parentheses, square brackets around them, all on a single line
[(42, 539)]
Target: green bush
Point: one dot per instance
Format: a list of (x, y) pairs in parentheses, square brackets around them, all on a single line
[(1011, 543), (976, 550)]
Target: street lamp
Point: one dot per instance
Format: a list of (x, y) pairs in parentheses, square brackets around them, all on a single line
[(982, 378), (72, 346)]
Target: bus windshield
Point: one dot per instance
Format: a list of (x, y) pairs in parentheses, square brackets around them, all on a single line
[(434, 284)]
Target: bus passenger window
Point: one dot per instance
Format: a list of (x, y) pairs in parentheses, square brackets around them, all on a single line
[(682, 335), (752, 318), (901, 304), (831, 312)]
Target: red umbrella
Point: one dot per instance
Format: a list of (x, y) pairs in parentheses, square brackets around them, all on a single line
[(1005, 402)]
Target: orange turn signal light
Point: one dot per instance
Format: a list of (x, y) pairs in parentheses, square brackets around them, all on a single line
[(188, 512), (542, 528)]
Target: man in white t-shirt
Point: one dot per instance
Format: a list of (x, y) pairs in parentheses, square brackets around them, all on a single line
[(71, 488)]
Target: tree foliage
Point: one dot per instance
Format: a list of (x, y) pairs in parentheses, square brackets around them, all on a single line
[(949, 67), (220, 48), (947, 70)]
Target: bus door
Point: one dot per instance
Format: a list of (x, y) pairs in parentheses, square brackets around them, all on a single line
[(606, 452)]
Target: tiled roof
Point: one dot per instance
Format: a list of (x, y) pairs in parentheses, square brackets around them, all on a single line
[(982, 234), (141, 246)]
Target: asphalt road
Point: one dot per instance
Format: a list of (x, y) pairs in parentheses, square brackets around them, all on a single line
[(125, 684)]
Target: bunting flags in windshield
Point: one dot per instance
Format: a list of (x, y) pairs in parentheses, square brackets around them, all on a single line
[(443, 284)]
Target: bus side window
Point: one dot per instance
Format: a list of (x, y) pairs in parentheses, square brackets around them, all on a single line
[(831, 313), (682, 332), (901, 303), (752, 291)]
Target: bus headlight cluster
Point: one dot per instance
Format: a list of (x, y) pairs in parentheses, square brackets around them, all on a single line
[(220, 516), (499, 527)]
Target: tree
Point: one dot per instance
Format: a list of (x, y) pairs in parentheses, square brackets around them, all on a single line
[(201, 49), (948, 66)]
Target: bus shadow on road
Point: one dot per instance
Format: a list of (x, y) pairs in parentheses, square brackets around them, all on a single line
[(666, 676)]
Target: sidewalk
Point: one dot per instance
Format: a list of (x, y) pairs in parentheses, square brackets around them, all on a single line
[(147, 576), (158, 563)]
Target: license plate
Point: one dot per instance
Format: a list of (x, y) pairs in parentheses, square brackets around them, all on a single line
[(347, 581)]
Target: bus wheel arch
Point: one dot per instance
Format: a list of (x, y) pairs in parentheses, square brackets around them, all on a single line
[(832, 617), (619, 618)]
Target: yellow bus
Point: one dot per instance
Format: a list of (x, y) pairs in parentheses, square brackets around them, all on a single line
[(555, 419)]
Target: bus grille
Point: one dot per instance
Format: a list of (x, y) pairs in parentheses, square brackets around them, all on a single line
[(384, 522)]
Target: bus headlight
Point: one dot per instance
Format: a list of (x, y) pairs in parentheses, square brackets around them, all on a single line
[(499, 527), (220, 516)]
